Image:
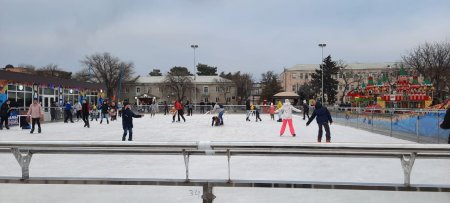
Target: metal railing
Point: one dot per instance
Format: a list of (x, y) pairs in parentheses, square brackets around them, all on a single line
[(418, 125), (406, 153)]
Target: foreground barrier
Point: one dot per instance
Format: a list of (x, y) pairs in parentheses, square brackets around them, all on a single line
[(407, 153)]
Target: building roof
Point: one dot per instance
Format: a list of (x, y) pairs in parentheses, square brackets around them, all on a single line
[(354, 66), (286, 95), (45, 80), (198, 79)]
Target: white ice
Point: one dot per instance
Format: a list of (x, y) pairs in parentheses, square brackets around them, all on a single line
[(198, 128)]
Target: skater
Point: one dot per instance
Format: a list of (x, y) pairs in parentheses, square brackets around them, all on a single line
[(166, 108), (94, 112), (247, 108), (179, 108), (446, 123), (257, 109), (85, 113), (53, 107), (36, 113), (173, 111), (127, 121), (286, 111), (104, 112), (190, 107), (77, 108), (272, 111), (279, 106), (113, 111), (305, 109), (323, 117), (219, 107), (4, 114), (153, 109), (202, 107), (68, 112), (119, 109)]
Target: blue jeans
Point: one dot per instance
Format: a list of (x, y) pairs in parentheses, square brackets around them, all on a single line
[(129, 129), (221, 117)]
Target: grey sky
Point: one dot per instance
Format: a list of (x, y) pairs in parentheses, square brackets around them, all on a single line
[(247, 35)]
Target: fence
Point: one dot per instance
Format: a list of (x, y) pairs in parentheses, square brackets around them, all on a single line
[(406, 153), (418, 125)]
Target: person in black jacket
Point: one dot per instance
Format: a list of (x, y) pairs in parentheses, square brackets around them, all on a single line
[(4, 114), (323, 117), (104, 109), (247, 109), (446, 123), (305, 109), (127, 121)]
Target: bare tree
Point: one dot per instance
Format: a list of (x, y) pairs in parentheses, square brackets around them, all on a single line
[(179, 82), (224, 86), (432, 60), (349, 78), (244, 83), (52, 70), (106, 69)]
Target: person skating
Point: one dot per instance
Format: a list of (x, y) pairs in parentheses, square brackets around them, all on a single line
[(94, 112), (53, 107), (77, 108), (257, 111), (219, 107), (323, 118), (279, 106), (68, 112), (85, 113), (173, 111), (179, 108), (127, 121), (202, 107), (104, 112), (305, 109), (272, 111), (36, 113), (190, 108), (247, 109), (286, 111), (5, 111), (446, 123), (166, 108)]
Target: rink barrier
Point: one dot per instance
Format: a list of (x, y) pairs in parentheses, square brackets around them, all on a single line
[(407, 153)]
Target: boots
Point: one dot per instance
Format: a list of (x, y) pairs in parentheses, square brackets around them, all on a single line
[(328, 141), (39, 130)]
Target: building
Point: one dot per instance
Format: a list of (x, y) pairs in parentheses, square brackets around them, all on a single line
[(293, 78), (22, 88), (209, 89)]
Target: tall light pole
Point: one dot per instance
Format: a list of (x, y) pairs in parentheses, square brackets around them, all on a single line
[(322, 46), (194, 46)]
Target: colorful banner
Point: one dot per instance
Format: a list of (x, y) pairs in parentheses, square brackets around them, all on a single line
[(13, 118)]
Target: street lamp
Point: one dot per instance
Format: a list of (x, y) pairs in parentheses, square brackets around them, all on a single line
[(194, 46), (322, 46)]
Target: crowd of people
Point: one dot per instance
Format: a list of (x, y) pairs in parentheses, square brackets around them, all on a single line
[(109, 111)]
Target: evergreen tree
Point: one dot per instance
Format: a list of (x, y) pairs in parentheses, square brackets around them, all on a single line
[(204, 69), (330, 85), (270, 85)]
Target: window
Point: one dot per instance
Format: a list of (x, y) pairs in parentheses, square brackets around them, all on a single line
[(138, 90), (127, 90), (217, 89), (228, 99), (228, 89), (294, 76), (301, 75), (206, 99), (306, 76), (217, 99), (205, 90), (149, 90), (293, 88)]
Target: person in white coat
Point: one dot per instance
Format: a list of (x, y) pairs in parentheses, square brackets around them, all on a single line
[(286, 114)]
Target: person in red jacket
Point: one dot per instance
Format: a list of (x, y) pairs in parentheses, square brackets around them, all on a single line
[(179, 108)]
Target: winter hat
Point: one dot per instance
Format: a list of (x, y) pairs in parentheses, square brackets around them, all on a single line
[(287, 101), (125, 103)]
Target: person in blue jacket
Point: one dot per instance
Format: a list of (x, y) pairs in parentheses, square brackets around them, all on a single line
[(127, 121), (323, 117), (68, 112)]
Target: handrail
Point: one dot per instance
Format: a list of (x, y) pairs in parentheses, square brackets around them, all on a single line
[(407, 153)]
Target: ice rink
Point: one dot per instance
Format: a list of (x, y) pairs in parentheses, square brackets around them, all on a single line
[(198, 128)]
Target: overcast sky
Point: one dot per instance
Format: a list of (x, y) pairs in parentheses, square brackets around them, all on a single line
[(247, 35)]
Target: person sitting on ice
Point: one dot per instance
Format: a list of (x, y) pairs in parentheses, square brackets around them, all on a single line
[(286, 114), (323, 117), (127, 121), (219, 107)]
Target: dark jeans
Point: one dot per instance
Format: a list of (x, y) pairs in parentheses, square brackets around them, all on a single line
[(53, 114), (305, 113), (79, 115), (327, 131), (67, 116), (86, 119), (180, 113), (5, 120), (34, 121), (190, 112), (166, 111), (130, 138)]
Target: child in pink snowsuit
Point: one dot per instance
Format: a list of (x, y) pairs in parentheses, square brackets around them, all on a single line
[(286, 111)]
